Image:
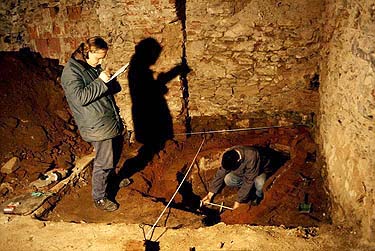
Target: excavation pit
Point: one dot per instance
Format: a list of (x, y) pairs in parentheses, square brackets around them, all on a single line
[(153, 186), (41, 132)]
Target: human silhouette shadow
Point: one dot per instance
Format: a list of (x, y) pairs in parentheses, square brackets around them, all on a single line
[(152, 120)]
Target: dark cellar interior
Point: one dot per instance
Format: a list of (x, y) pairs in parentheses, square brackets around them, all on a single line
[(297, 77)]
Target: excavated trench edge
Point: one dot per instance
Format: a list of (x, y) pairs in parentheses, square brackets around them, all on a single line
[(61, 189)]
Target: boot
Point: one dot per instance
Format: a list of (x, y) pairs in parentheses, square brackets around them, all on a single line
[(106, 205)]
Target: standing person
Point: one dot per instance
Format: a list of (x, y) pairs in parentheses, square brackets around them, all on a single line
[(90, 98), (244, 167)]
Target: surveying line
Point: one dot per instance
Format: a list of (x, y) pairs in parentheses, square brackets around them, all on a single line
[(237, 130), (187, 172)]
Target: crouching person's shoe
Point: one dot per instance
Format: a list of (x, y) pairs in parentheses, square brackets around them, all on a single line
[(106, 205), (125, 182), (256, 201)]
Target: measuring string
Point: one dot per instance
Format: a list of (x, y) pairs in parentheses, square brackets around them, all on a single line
[(178, 188), (237, 130)]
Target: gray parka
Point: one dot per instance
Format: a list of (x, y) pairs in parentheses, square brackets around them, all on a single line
[(93, 107)]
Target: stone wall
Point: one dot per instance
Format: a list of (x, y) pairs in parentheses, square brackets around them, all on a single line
[(253, 55), (347, 112), (247, 57)]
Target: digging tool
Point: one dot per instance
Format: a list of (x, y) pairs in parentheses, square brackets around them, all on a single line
[(216, 205)]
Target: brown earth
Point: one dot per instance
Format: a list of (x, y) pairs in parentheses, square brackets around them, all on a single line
[(37, 128), (145, 199), (35, 124)]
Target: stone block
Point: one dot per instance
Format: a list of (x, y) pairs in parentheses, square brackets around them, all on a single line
[(53, 11), (54, 46), (56, 30), (239, 29), (12, 165), (42, 46), (33, 32), (74, 12)]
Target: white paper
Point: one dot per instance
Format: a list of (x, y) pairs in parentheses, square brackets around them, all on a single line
[(118, 72)]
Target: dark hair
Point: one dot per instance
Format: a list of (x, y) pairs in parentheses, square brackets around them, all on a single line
[(91, 45), (231, 160)]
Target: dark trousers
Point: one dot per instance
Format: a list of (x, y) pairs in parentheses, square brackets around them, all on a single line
[(107, 155)]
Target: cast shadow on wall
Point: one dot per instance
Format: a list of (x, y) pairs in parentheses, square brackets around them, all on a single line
[(152, 119)]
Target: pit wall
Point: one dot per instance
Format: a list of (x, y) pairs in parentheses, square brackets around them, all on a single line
[(347, 112), (246, 56)]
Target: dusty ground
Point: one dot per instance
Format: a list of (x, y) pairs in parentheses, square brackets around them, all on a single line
[(154, 185), (23, 233), (37, 128)]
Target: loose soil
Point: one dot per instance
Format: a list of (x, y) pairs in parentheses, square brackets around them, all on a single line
[(155, 184), (35, 123)]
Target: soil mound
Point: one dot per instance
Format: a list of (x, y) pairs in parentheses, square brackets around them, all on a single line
[(35, 124)]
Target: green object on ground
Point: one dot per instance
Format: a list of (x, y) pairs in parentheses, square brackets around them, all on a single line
[(36, 194), (305, 207)]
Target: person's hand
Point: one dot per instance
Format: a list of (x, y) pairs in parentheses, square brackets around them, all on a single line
[(236, 205), (208, 197), (184, 68), (105, 76)]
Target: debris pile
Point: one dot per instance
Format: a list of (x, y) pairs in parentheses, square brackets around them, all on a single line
[(38, 133)]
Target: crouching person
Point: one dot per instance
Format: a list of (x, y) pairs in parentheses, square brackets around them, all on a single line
[(244, 167)]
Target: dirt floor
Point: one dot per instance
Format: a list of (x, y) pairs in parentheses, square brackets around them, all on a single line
[(37, 128), (154, 185), (35, 124), (23, 233)]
